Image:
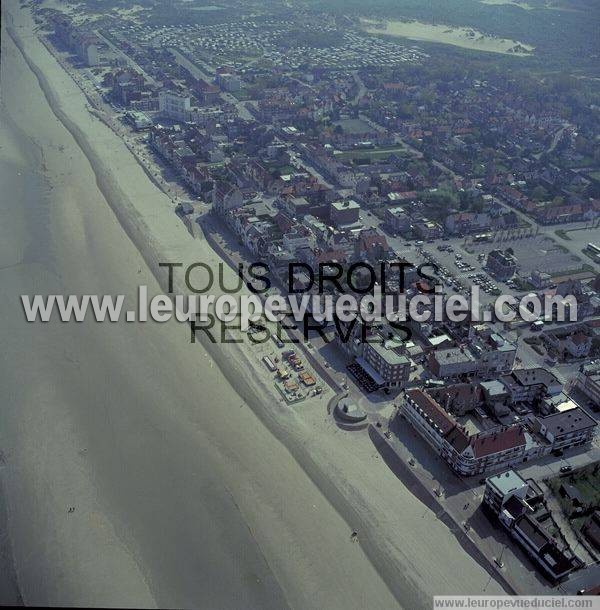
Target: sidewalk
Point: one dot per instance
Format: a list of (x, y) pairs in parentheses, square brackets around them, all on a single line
[(457, 502)]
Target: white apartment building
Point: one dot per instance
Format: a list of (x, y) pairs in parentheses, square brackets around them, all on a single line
[(173, 105), (587, 381)]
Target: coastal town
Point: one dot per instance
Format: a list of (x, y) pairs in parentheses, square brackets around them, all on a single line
[(299, 138)]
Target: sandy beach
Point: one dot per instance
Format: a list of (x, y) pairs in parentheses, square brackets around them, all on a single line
[(191, 485)]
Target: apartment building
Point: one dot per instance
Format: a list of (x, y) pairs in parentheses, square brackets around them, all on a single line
[(392, 369), (453, 362), (344, 213), (495, 354), (397, 219), (587, 381), (174, 105), (529, 385), (501, 487), (566, 429), (467, 454), (501, 264), (486, 451)]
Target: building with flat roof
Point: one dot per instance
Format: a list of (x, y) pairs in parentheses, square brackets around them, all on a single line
[(512, 500), (495, 354), (174, 105), (344, 213), (500, 487), (587, 381), (393, 368), (139, 120), (529, 385), (566, 429), (452, 362), (397, 219)]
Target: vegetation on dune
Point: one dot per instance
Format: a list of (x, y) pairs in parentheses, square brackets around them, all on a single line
[(559, 35)]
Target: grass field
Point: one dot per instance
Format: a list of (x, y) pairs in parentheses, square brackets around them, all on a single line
[(354, 126), (595, 175)]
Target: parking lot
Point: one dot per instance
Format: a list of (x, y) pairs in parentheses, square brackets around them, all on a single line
[(460, 269), (536, 252)]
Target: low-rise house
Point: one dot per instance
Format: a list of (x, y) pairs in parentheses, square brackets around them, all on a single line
[(577, 345), (591, 529), (573, 341)]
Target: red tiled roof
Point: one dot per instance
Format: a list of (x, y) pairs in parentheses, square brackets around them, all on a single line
[(509, 438), (331, 256), (579, 339), (284, 222), (432, 410), (371, 240)]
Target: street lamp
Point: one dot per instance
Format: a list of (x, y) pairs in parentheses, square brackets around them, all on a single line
[(498, 560)]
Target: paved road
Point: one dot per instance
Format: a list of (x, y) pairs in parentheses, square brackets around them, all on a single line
[(207, 74), (128, 59), (298, 159), (362, 89)]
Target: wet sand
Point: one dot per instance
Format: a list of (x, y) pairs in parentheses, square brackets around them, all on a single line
[(170, 454)]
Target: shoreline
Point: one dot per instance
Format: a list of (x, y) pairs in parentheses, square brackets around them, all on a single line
[(134, 228), (134, 224)]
